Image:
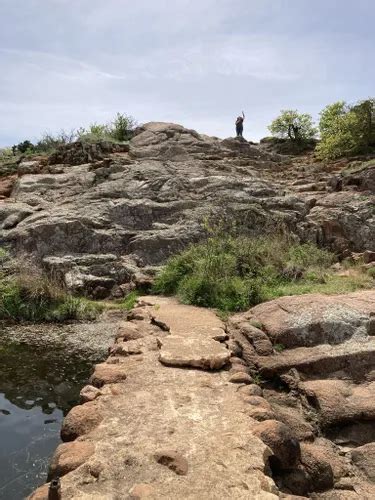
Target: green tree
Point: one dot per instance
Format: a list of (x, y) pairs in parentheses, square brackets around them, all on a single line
[(25, 146), (122, 127), (346, 130), (293, 125)]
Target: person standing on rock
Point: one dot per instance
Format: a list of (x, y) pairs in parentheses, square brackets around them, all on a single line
[(239, 124)]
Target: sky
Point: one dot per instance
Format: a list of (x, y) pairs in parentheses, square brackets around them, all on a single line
[(69, 63)]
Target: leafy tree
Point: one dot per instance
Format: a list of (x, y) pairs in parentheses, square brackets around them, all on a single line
[(346, 130), (293, 125), (24, 146)]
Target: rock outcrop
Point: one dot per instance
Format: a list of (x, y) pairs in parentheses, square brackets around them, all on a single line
[(319, 381), (102, 216)]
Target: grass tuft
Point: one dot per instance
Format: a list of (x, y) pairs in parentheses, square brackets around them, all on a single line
[(129, 301), (234, 273), (30, 296)]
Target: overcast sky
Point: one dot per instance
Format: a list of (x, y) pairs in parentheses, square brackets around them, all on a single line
[(68, 63)]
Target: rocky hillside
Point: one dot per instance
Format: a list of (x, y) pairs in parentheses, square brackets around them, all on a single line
[(103, 216)]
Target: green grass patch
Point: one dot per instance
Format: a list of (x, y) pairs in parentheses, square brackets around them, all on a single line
[(234, 273), (129, 301), (33, 297), (279, 347), (333, 284)]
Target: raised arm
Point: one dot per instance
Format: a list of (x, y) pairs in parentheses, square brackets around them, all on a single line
[(243, 115)]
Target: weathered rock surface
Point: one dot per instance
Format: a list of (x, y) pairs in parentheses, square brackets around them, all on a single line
[(69, 456), (193, 352), (103, 216), (282, 441), (164, 431), (364, 458), (320, 387)]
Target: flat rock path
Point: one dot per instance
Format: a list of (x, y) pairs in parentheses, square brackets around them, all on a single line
[(161, 418)]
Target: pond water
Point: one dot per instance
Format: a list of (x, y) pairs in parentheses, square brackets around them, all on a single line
[(38, 386)]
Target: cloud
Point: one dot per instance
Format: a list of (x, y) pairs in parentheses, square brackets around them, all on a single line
[(65, 63)]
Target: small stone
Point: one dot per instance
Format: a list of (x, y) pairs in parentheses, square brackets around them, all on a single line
[(237, 361), (69, 456), (141, 491), (138, 314), (251, 390), (234, 347), (174, 461), (282, 441), (81, 420), (40, 493), (317, 464), (261, 414), (128, 348), (105, 373), (89, 393), (129, 331), (113, 361), (240, 378), (239, 369), (219, 334)]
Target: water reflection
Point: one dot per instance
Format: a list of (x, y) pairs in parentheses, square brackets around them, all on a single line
[(37, 387)]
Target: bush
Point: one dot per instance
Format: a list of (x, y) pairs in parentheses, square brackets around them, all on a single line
[(31, 296), (129, 301), (346, 130), (234, 273), (120, 129), (49, 142), (23, 147), (292, 125)]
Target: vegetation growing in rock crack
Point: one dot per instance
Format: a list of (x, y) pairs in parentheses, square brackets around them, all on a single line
[(233, 273), (27, 295)]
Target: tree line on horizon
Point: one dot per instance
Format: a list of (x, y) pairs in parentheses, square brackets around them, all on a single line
[(343, 130)]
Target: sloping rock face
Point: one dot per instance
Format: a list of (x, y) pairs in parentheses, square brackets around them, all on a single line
[(319, 381), (103, 216)]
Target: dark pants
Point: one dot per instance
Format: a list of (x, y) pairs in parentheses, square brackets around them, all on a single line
[(239, 129)]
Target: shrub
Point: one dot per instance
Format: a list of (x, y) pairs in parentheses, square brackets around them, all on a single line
[(28, 295), (233, 273), (120, 129), (292, 125), (49, 142), (23, 147), (129, 301), (346, 130)]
